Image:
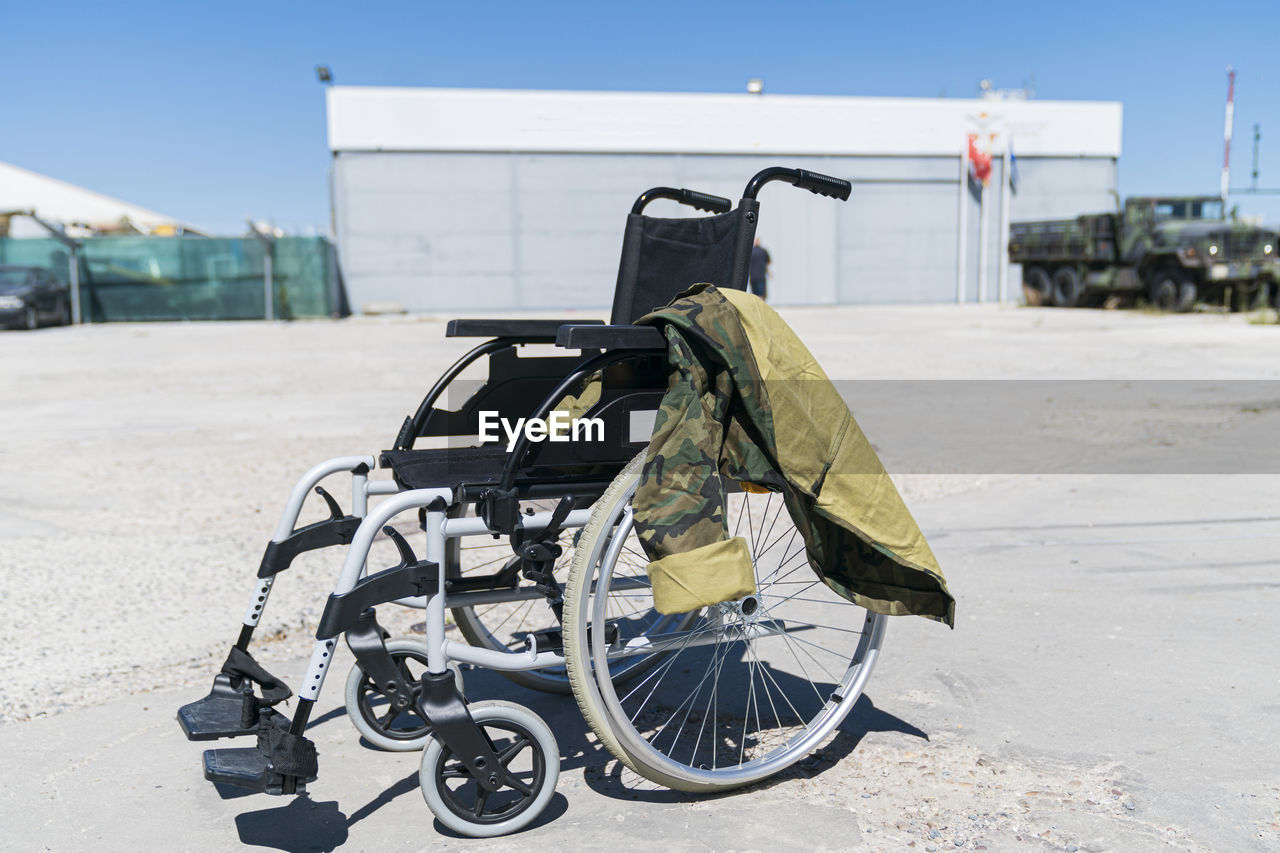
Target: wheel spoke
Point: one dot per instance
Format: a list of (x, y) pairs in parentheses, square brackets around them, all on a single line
[(659, 673), (517, 785), (457, 771), (692, 697), (505, 757), (792, 648)]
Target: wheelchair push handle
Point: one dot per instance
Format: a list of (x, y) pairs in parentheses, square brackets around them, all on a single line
[(814, 182), (705, 201), (690, 198), (826, 185)]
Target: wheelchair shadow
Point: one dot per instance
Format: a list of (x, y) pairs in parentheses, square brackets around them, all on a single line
[(306, 825), (302, 825), (613, 779)]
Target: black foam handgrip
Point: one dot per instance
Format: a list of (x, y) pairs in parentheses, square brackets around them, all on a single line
[(705, 201), (823, 184)]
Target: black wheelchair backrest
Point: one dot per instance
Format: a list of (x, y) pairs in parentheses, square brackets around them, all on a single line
[(662, 257)]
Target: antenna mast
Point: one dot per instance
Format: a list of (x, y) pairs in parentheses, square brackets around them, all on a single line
[(1226, 144)]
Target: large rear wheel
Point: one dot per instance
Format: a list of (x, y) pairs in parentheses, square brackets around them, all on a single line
[(1037, 288), (737, 691), (1170, 290), (1247, 296), (1068, 289)]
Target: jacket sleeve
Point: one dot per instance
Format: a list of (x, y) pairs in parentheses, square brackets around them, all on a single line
[(680, 504)]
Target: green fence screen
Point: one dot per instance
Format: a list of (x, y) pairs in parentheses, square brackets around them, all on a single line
[(188, 278)]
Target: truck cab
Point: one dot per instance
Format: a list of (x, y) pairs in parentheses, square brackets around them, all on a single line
[(1166, 224), (1187, 243)]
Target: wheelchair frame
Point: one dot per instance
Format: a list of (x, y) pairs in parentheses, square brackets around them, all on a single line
[(284, 760)]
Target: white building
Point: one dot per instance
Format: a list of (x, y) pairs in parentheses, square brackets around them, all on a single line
[(80, 211), (466, 199)]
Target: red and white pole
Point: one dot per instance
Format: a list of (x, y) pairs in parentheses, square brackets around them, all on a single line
[(1226, 144)]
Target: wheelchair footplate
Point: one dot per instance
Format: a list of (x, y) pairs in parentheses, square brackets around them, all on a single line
[(281, 763), (232, 708)]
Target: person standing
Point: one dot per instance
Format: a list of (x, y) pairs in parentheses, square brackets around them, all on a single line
[(759, 273)]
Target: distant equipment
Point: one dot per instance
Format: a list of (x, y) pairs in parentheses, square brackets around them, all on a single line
[(1257, 137), (1174, 250), (988, 92), (1226, 144), (324, 75)]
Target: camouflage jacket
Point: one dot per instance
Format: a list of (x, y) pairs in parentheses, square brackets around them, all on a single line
[(747, 402)]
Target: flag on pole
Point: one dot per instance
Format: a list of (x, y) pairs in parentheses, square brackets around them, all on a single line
[(979, 161), (1013, 169)]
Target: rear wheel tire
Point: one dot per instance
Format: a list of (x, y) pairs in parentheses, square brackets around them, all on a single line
[(1068, 291), (1186, 297), (30, 319), (755, 708), (1165, 291), (1037, 289), (1246, 297)]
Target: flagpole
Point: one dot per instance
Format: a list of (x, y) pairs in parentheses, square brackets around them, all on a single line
[(983, 239), (1006, 184), (962, 222)]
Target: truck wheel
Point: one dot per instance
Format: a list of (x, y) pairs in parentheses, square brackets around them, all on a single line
[(1186, 297), (1246, 297), (1068, 292), (1037, 289), (1166, 290)]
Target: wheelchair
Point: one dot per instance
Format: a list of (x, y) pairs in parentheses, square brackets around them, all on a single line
[(555, 594)]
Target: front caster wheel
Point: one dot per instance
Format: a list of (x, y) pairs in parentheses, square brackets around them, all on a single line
[(527, 751), (372, 714)]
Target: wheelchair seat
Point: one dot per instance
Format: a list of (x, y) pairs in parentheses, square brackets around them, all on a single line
[(471, 471)]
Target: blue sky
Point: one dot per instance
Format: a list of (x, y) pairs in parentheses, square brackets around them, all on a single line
[(210, 112)]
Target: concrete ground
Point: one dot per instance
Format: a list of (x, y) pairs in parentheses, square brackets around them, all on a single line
[(1110, 684)]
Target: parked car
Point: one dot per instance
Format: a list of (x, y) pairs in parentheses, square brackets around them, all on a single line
[(30, 297)]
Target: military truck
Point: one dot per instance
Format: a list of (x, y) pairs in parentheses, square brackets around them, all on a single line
[(1173, 251)]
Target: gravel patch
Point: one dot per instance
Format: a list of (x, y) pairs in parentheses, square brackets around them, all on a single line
[(143, 466)]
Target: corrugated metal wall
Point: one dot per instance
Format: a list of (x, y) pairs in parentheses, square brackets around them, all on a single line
[(468, 231)]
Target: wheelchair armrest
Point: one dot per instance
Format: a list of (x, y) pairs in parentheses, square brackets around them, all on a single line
[(530, 331), (581, 336)]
